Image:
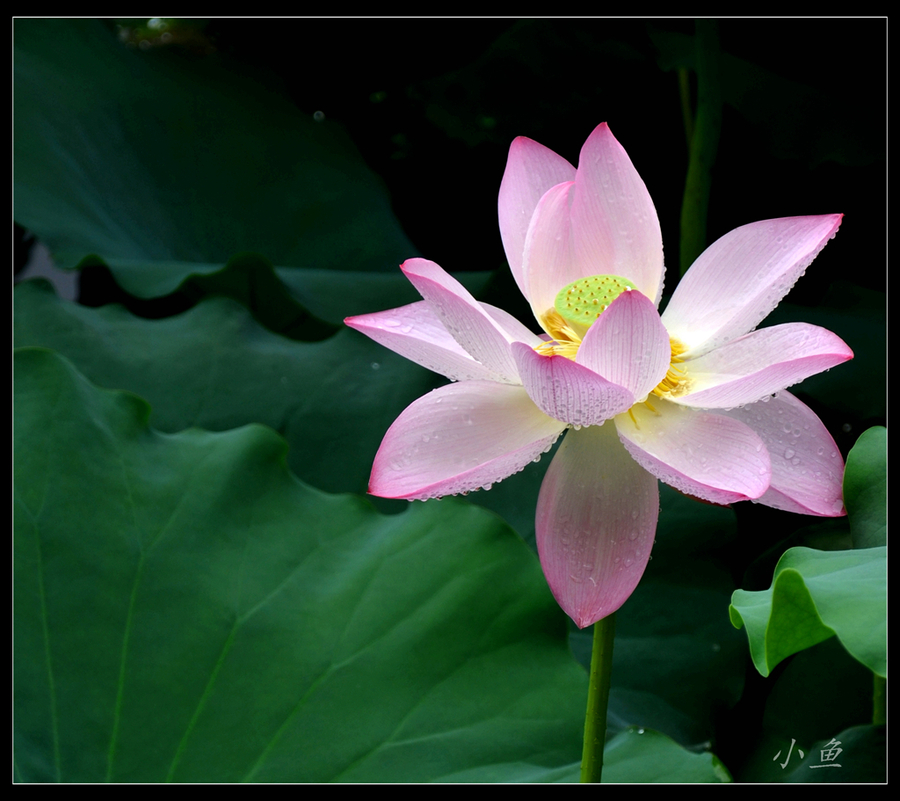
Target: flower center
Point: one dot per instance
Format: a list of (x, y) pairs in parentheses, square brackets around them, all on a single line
[(576, 308)]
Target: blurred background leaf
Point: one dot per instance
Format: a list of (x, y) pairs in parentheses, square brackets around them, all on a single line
[(167, 166), (865, 489)]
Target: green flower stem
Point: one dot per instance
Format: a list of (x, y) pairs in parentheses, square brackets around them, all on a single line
[(704, 143), (598, 699), (879, 696)]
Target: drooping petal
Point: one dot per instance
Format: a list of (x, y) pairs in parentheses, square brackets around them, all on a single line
[(740, 278), (628, 345), (549, 261), (704, 454), (596, 520), (459, 438), (464, 318), (807, 468), (415, 332), (761, 363), (530, 171), (615, 228), (568, 391)]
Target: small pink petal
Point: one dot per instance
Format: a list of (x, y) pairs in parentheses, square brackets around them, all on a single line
[(704, 454), (417, 334), (628, 345), (463, 317), (761, 363), (740, 278), (807, 467), (531, 170), (549, 261), (459, 438), (596, 520), (615, 228), (567, 391)]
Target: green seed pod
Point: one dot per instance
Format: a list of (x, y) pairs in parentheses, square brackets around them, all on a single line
[(583, 301)]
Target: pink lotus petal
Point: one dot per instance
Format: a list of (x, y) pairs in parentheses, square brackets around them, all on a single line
[(596, 520), (807, 468), (515, 331), (704, 454), (567, 391), (549, 261), (628, 345), (464, 317), (415, 333), (459, 438), (740, 278), (531, 170), (615, 228), (761, 363)]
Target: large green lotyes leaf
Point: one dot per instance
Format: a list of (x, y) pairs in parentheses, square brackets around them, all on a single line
[(865, 489), (166, 166), (186, 610), (815, 595)]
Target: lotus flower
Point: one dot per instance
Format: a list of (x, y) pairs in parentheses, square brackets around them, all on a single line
[(694, 397)]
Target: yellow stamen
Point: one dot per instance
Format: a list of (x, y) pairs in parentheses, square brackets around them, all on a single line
[(676, 381), (565, 340)]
